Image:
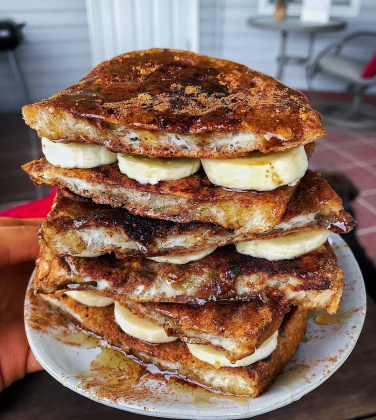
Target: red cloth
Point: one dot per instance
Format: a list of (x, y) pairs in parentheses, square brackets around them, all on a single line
[(370, 69), (31, 210)]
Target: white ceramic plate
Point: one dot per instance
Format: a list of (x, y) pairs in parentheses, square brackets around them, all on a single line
[(325, 349)]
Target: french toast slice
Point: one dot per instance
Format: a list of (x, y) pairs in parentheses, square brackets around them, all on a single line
[(185, 200), (313, 280), (175, 357), (174, 103), (237, 328), (77, 226)]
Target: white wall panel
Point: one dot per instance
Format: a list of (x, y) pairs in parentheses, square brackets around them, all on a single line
[(211, 22), (118, 26)]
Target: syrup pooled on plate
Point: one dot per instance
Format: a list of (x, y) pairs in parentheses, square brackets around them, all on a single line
[(113, 376), (328, 319)]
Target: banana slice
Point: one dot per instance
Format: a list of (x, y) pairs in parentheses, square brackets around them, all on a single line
[(258, 171), (184, 259), (218, 359), (139, 327), (76, 155), (152, 170), (89, 298), (284, 247)]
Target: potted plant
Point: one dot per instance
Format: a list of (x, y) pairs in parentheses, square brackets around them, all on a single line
[(280, 11)]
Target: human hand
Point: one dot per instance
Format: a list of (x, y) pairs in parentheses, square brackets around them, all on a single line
[(18, 250)]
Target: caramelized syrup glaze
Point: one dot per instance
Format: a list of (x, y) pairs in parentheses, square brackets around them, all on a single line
[(182, 92)]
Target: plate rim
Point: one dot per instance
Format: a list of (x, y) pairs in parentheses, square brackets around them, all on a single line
[(195, 412)]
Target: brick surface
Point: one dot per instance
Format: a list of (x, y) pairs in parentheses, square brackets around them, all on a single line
[(371, 200), (362, 178), (328, 161), (361, 152), (368, 242), (364, 216), (340, 138)]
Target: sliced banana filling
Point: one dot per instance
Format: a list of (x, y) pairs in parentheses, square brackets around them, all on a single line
[(184, 259), (139, 327), (89, 298), (153, 170), (218, 359), (76, 155), (145, 330), (258, 171), (284, 247)]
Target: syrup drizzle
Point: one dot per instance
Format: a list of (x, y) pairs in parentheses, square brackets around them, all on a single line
[(329, 319), (115, 377)]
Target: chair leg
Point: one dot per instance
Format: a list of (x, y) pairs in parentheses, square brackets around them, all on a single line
[(282, 56), (353, 112), (18, 76)]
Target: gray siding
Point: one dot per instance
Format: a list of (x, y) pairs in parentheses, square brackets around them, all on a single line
[(55, 52)]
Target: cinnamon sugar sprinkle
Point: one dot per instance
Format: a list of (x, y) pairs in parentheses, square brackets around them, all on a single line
[(115, 377)]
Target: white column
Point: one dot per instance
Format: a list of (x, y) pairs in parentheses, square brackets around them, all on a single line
[(119, 26)]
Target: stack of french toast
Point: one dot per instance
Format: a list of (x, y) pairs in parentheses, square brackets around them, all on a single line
[(187, 230)]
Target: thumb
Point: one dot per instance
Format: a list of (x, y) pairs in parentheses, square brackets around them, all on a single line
[(18, 244), (32, 365)]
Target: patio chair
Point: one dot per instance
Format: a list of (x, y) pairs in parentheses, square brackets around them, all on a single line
[(340, 61)]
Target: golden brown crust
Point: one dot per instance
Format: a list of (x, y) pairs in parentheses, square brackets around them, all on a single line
[(116, 230), (312, 280), (250, 380), (314, 194), (235, 327), (132, 102), (188, 199)]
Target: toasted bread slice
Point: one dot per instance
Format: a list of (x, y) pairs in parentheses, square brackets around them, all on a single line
[(185, 200), (77, 226), (176, 103), (175, 357), (237, 328), (312, 280)]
